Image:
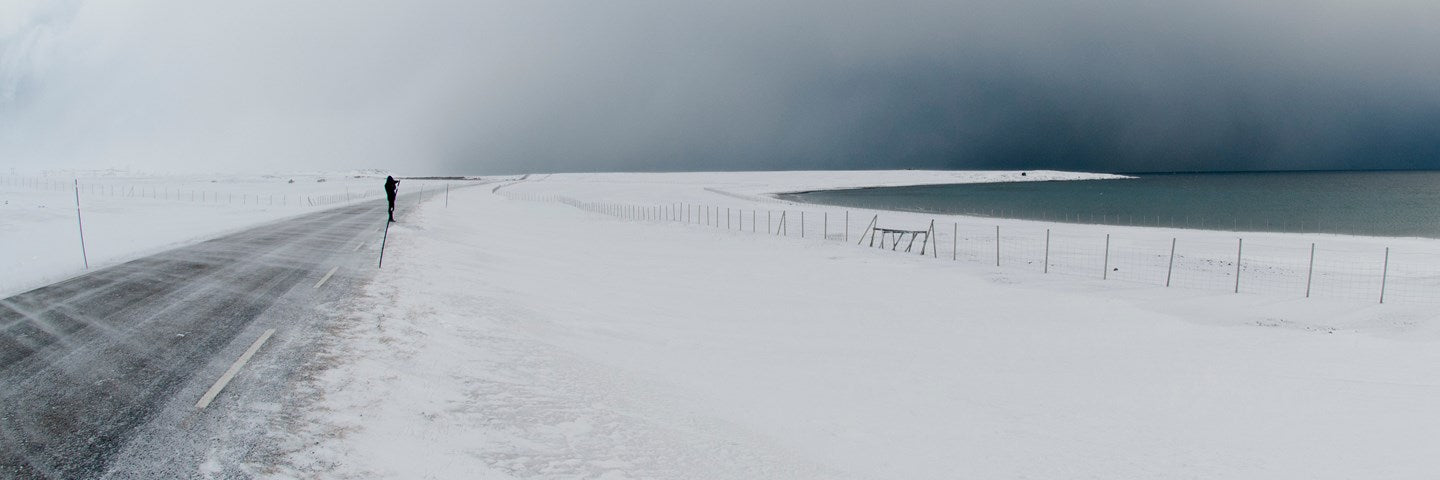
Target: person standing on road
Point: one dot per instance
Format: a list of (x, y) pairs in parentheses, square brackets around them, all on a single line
[(390, 186)]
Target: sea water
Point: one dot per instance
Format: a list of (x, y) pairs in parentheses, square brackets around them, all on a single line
[(1360, 203)]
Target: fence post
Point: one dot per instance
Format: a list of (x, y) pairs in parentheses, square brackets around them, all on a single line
[(81, 223), (997, 245), (1047, 251), (935, 250), (1239, 248), (847, 225), (1310, 274), (1384, 274), (824, 225), (447, 194), (1105, 271), (727, 217), (802, 224), (1171, 269), (752, 220), (955, 242)]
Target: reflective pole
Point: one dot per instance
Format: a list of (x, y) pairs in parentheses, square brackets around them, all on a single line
[(80, 223)]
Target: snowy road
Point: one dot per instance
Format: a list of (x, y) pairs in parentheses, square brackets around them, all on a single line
[(100, 374)]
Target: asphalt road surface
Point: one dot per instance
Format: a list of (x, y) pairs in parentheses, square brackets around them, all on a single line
[(100, 374)]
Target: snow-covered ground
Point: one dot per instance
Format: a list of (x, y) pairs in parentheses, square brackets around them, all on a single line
[(128, 216), (510, 338)]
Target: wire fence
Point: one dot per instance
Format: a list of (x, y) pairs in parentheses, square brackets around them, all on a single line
[(1330, 267)]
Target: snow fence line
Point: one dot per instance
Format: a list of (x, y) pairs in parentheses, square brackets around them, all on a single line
[(1298, 269)]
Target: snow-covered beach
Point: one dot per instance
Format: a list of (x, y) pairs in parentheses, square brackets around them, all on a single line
[(514, 336)]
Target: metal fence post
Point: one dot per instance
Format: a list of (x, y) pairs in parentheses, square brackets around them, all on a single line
[(1105, 270), (1239, 248), (1170, 269), (1310, 273), (1047, 251), (955, 243), (997, 245), (1384, 274)]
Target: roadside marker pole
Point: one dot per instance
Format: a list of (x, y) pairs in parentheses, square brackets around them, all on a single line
[(84, 256), (382, 245)]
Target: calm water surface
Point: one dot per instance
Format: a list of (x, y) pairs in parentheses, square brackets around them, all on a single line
[(1361, 203)]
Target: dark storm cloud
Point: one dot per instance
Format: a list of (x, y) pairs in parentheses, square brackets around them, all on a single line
[(491, 87)]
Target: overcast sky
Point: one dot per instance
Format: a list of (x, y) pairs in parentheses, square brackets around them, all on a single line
[(488, 87)]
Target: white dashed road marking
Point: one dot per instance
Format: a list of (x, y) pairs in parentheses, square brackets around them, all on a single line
[(326, 277), (229, 374)]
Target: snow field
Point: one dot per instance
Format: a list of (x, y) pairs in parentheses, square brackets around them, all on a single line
[(518, 339)]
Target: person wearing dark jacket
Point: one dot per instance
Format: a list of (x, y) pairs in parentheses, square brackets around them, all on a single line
[(390, 186)]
